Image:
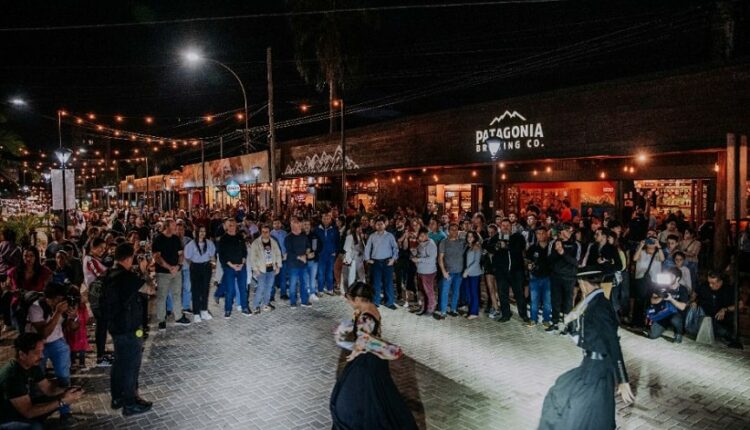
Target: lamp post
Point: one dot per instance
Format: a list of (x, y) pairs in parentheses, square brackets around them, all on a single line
[(339, 103), (493, 144), (63, 154), (194, 57), (47, 176), (256, 173), (172, 181)]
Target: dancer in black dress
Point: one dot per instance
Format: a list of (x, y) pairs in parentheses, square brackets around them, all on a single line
[(365, 396), (583, 398)]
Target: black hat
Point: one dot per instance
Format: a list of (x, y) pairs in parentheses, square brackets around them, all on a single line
[(590, 274)]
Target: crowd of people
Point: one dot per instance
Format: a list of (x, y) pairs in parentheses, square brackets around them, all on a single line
[(130, 268)]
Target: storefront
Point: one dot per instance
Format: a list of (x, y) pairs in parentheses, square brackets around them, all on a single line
[(229, 182), (597, 147)]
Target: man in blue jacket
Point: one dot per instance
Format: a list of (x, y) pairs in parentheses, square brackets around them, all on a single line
[(329, 239)]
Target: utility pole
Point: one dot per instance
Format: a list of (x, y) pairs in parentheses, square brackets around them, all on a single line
[(272, 135), (203, 174)]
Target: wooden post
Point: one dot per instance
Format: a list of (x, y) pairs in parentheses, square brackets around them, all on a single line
[(272, 135), (720, 217)]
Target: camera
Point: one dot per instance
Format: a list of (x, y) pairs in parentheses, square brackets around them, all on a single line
[(73, 299), (145, 256)]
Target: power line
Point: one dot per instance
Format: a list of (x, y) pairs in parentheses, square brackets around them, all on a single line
[(276, 15)]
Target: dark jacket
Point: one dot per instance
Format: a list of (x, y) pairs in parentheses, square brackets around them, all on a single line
[(121, 301), (330, 239), (232, 249), (538, 258), (565, 266), (598, 333), (509, 254)]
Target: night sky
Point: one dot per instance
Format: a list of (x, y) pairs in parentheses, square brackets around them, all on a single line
[(411, 61)]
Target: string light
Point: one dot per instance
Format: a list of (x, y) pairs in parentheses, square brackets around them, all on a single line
[(548, 169), (305, 108), (91, 116), (603, 175), (534, 172), (209, 118), (502, 176), (474, 173), (716, 167), (240, 116), (502, 165), (99, 127), (119, 118), (149, 120), (79, 120)]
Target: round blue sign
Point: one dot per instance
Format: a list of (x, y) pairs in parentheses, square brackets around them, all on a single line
[(233, 188)]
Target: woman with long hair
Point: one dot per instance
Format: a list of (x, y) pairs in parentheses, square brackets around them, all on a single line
[(31, 274), (354, 250), (365, 395), (473, 272), (199, 253)]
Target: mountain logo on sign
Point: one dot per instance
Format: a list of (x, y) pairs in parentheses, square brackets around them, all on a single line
[(507, 114), (320, 163)]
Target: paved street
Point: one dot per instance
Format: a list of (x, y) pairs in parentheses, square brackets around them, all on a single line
[(276, 371)]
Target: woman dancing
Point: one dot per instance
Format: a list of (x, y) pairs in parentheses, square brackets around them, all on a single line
[(365, 396), (582, 398)]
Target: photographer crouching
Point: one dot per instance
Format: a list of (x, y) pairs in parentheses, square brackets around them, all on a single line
[(124, 305), (669, 301)]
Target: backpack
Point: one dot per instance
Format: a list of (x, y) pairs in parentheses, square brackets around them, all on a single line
[(21, 309), (96, 293)]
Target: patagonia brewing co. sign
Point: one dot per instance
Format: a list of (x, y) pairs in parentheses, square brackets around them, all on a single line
[(510, 132)]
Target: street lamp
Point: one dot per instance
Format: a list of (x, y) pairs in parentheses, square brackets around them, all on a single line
[(493, 144), (256, 173), (17, 101), (193, 57), (339, 103), (63, 154)]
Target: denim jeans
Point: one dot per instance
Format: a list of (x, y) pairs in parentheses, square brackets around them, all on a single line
[(540, 289), (676, 322), (125, 369), (382, 279), (235, 280), (187, 296), (59, 352), (562, 297), (263, 289), (325, 272), (472, 293), (450, 284), (295, 276), (312, 277), (280, 281)]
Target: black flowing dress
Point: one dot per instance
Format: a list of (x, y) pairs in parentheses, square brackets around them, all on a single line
[(584, 398), (365, 396)]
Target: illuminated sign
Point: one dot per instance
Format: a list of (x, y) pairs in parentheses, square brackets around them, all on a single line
[(510, 131), (233, 188)]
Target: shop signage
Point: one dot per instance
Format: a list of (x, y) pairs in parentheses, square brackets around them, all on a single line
[(512, 131), (233, 188)]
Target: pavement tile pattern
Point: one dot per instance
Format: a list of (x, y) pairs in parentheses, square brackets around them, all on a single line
[(276, 371)]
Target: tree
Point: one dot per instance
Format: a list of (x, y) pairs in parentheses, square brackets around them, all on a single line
[(328, 47), (11, 149)]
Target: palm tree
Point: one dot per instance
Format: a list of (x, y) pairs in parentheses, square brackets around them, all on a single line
[(329, 46), (11, 149)]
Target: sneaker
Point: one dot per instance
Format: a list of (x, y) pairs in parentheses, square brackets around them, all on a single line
[(143, 402), (116, 404), (314, 298), (453, 314), (135, 409), (256, 311), (162, 326), (546, 324), (472, 317), (504, 319), (196, 318), (306, 305), (205, 316), (284, 297), (227, 314), (492, 313), (246, 312), (678, 338), (438, 316), (272, 307), (104, 362), (530, 324), (183, 321), (239, 308), (267, 308), (329, 292), (551, 329), (391, 306), (293, 306)]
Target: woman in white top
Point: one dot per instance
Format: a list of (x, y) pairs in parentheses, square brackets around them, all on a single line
[(198, 253), (354, 250)]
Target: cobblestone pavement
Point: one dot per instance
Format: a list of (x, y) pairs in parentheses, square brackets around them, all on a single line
[(276, 371)]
